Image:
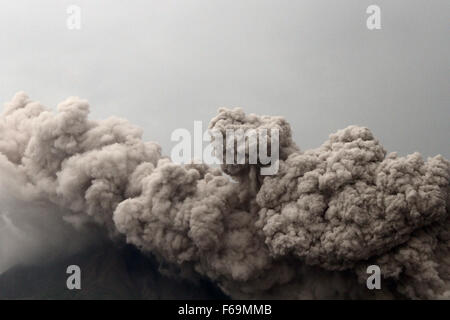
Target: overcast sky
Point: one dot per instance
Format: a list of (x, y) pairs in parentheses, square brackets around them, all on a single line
[(163, 64)]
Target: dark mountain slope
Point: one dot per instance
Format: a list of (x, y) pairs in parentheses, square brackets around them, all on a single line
[(106, 273)]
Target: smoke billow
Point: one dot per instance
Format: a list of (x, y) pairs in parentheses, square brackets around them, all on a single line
[(33, 229), (309, 231)]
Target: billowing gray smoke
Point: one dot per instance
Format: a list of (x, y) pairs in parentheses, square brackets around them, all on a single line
[(309, 231)]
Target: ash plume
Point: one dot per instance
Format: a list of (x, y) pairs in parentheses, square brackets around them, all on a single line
[(309, 231)]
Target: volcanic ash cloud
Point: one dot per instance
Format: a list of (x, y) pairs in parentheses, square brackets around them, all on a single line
[(309, 231)]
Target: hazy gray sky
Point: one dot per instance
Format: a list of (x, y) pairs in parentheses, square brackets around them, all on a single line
[(163, 64)]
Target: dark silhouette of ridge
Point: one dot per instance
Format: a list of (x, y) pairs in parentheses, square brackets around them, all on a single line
[(107, 272)]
